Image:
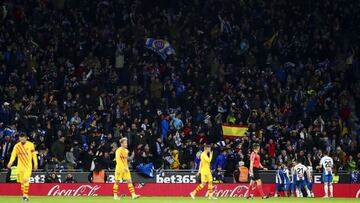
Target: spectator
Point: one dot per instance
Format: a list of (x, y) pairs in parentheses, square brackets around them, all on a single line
[(164, 127), (177, 122), (301, 158), (58, 149), (42, 158), (300, 91), (5, 114), (283, 157), (70, 179), (98, 175), (175, 156), (351, 164), (340, 156), (243, 175), (219, 175), (70, 158), (6, 148), (12, 175), (220, 161), (52, 178), (271, 148)]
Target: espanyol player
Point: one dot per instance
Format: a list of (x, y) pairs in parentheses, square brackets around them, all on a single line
[(309, 179), (300, 170), (282, 180), (292, 180), (327, 163)]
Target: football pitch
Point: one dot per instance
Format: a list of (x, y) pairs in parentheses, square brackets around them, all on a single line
[(13, 199)]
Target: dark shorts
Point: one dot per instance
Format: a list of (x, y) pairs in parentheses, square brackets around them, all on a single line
[(256, 175)]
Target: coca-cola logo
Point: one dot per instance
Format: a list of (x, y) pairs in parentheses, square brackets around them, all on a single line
[(238, 191), (83, 190), (358, 194)]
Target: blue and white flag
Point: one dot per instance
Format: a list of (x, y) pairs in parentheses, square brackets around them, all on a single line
[(160, 46), (147, 169)]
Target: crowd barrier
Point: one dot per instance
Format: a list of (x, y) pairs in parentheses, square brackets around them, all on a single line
[(154, 189)]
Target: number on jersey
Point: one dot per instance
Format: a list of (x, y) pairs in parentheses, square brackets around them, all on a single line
[(328, 164), (300, 172)]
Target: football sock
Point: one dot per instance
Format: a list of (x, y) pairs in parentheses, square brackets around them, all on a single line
[(26, 189), (22, 188), (131, 189), (331, 189), (115, 188), (260, 189), (210, 189), (326, 189), (198, 188), (250, 188)]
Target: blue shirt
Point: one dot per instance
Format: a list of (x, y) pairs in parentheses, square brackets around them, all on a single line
[(219, 161), (177, 123), (197, 162), (164, 127)]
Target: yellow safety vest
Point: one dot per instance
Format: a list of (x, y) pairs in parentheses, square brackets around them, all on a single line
[(335, 179), (14, 173)]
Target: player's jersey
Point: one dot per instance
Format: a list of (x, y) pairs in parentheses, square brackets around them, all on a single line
[(292, 174), (300, 171), (121, 157), (327, 164), (282, 176), (309, 173), (256, 159), (25, 153), (205, 162)]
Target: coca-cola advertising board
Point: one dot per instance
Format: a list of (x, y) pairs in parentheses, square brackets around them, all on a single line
[(153, 189), (179, 177)]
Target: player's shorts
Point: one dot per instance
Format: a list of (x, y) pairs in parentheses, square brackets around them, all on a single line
[(23, 176), (327, 178), (309, 185), (279, 187), (122, 176), (256, 175), (300, 183), (206, 177), (283, 187), (292, 186)]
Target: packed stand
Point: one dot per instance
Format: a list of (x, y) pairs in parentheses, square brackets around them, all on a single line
[(75, 77)]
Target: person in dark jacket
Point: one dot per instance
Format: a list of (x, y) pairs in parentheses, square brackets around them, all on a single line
[(58, 149), (70, 179), (52, 178), (220, 161)]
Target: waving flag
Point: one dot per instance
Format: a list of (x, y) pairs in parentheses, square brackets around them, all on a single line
[(160, 46), (270, 42), (147, 169), (234, 131)]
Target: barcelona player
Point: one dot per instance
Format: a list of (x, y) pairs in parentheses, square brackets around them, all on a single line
[(122, 172), (25, 153), (205, 173)]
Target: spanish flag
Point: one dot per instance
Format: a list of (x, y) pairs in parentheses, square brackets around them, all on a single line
[(234, 131)]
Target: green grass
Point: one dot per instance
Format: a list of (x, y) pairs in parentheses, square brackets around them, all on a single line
[(171, 200)]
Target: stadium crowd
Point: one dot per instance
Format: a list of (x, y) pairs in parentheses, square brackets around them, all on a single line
[(75, 77)]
